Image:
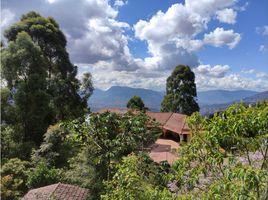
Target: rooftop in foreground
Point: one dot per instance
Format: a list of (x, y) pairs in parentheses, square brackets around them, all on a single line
[(57, 191)]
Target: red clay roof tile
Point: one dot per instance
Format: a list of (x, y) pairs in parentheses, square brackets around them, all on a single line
[(58, 192)]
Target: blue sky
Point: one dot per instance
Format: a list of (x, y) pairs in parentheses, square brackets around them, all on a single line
[(138, 43)]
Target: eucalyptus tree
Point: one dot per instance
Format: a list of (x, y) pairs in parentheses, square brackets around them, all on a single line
[(180, 92), (63, 86), (24, 69)]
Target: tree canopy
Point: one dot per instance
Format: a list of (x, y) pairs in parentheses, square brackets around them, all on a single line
[(41, 84), (24, 70), (62, 84), (108, 137), (136, 103), (180, 92)]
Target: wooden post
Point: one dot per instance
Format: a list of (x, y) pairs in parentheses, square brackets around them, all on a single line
[(164, 132), (181, 138)]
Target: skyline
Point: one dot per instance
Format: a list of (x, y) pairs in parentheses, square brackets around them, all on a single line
[(137, 44)]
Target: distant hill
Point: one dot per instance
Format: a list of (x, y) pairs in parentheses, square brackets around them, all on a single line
[(257, 97), (222, 96), (210, 109), (118, 96)]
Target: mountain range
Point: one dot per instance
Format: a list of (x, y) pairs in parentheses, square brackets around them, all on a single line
[(209, 101)]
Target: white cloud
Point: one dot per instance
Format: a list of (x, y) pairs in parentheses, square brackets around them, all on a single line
[(171, 35), (227, 15), (263, 48), (262, 30), (263, 75), (265, 32), (51, 1), (249, 71), (119, 3), (206, 8), (7, 18), (217, 71), (220, 37), (243, 7), (257, 74), (104, 79), (176, 22), (98, 39), (231, 82)]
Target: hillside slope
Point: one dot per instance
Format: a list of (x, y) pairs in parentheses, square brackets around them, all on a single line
[(118, 96)]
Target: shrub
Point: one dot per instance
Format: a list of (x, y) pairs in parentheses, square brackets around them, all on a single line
[(13, 178), (42, 175)]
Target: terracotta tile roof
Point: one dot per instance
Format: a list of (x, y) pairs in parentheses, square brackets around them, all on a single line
[(114, 110), (174, 122), (161, 118), (57, 191)]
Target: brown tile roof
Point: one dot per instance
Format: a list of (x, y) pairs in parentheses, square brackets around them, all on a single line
[(114, 110), (174, 122), (161, 118), (57, 191)]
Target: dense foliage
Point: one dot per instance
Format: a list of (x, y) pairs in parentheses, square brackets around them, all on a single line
[(43, 175), (138, 177), (108, 137), (227, 156), (39, 88), (226, 159), (41, 84), (13, 179), (24, 66), (180, 92), (136, 103), (56, 148)]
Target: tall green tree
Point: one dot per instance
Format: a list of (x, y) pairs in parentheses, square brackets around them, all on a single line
[(24, 69), (63, 86), (86, 87), (136, 103), (180, 92)]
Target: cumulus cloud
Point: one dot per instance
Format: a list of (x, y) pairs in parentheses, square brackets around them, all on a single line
[(227, 15), (220, 77), (176, 22), (141, 78), (7, 18), (98, 40), (218, 71), (233, 81), (207, 8), (265, 32), (220, 37), (119, 3), (173, 33), (257, 74), (263, 48), (262, 30), (249, 71)]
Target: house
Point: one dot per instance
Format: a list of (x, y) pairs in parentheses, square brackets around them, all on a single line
[(173, 125), (57, 191)]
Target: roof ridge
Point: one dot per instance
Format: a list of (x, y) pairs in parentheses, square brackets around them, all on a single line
[(168, 118), (55, 189)]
